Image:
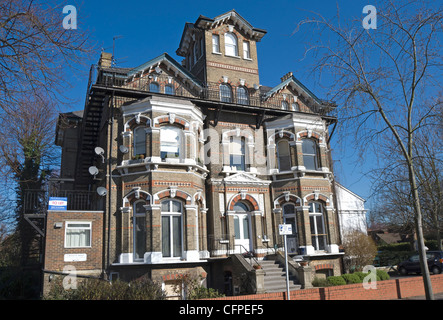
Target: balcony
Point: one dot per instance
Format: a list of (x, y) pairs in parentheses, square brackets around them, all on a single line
[(37, 201), (141, 85)]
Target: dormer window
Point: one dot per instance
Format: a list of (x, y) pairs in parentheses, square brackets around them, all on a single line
[(231, 45)]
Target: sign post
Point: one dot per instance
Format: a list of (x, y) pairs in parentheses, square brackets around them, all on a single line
[(284, 230)]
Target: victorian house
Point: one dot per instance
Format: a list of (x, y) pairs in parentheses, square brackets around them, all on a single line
[(190, 167)]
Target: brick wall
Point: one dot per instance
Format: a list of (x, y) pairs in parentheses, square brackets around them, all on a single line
[(55, 241), (386, 290)]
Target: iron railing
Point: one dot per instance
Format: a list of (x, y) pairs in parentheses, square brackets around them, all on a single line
[(37, 201), (163, 84)]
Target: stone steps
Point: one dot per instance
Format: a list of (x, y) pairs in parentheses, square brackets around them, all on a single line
[(275, 277)]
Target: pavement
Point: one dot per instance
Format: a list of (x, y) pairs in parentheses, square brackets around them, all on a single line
[(437, 296)]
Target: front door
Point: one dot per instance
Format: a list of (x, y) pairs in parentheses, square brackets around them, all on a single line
[(242, 232)]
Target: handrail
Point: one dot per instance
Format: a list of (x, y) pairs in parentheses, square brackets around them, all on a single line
[(250, 254)]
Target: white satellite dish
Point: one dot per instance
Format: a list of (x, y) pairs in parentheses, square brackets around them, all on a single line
[(102, 191), (99, 151), (124, 149), (93, 170), (256, 86), (158, 70)]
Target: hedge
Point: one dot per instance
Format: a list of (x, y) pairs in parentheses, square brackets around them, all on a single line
[(348, 278)]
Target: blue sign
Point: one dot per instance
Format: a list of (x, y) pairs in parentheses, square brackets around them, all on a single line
[(56, 203)]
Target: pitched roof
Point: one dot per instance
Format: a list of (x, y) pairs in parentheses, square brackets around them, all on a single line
[(169, 61), (292, 80)]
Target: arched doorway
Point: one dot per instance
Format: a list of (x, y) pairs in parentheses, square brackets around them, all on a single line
[(242, 228)]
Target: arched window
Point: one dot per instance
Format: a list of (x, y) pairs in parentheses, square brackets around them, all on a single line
[(310, 159), (170, 142), (318, 230), (225, 93), (237, 153), (169, 89), (284, 155), (154, 87), (171, 214), (231, 44), (242, 96), (139, 141), (284, 105), (139, 227)]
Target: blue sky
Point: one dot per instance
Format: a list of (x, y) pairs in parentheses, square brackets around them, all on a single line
[(150, 28)]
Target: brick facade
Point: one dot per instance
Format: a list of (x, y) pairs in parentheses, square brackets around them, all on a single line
[(161, 98)]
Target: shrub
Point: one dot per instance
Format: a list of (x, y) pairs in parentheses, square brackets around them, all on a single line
[(361, 275), (383, 275), (320, 282), (351, 278), (336, 280), (95, 289)]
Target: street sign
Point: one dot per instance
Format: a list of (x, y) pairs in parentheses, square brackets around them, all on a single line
[(57, 203), (284, 229)]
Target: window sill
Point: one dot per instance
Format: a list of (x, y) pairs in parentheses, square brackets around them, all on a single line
[(217, 53), (248, 59), (237, 57)]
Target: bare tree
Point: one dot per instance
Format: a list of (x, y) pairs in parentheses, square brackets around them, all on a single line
[(36, 53), (381, 78)]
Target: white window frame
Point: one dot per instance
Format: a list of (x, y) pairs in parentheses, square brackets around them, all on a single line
[(313, 155), (179, 143), (317, 235), (67, 228), (279, 156), (216, 43), (246, 50), (231, 46), (170, 214), (134, 218)]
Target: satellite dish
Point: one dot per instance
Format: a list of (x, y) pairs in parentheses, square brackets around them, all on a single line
[(93, 170), (124, 149), (99, 151), (158, 70), (102, 191), (256, 86)]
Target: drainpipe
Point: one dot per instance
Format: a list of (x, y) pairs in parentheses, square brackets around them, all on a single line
[(111, 123)]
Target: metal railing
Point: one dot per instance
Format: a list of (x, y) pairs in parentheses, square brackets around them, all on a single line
[(164, 84), (37, 201)]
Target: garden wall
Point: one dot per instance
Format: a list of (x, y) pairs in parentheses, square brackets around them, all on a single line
[(386, 290)]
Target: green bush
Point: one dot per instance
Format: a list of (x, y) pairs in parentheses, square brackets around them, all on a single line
[(402, 246), (320, 282), (336, 280), (383, 275), (351, 278), (95, 289), (361, 275)]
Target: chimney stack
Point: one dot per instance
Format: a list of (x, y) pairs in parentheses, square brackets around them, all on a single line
[(105, 60)]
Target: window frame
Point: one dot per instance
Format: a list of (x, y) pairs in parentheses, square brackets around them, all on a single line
[(231, 46), (288, 156), (178, 144), (89, 228), (314, 224), (242, 95), (216, 45), (135, 141), (246, 50), (242, 166), (156, 84), (224, 97), (170, 217), (314, 155), (136, 215)]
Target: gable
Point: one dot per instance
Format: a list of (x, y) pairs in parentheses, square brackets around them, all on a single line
[(245, 178)]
